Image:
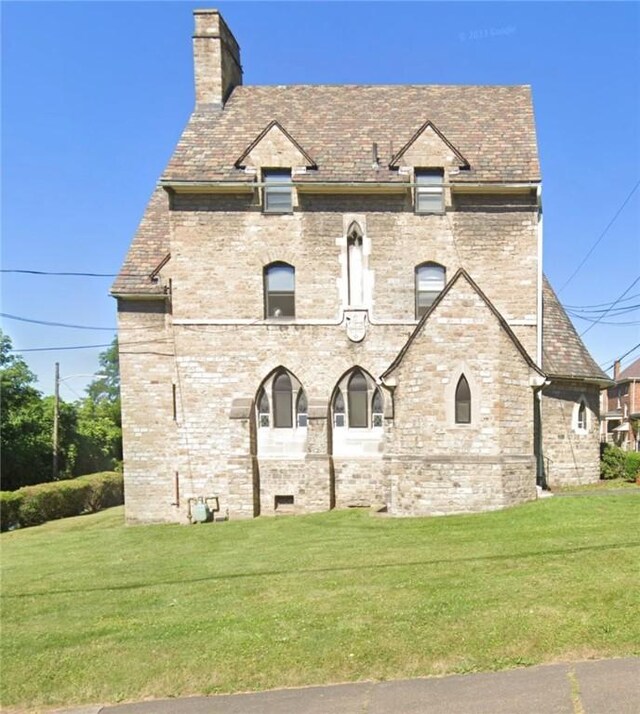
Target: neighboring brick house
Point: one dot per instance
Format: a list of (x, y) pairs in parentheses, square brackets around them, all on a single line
[(621, 408), (335, 298)]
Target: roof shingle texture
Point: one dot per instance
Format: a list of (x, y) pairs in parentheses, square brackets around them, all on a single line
[(563, 352), (149, 247), (492, 126), (631, 372)]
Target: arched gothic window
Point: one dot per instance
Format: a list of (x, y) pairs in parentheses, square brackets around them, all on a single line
[(358, 401), (463, 401), (279, 290), (282, 402), (263, 409), (338, 409), (355, 265), (582, 416), (430, 281), (301, 409), (377, 409)]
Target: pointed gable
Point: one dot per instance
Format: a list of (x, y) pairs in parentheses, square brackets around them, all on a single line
[(457, 284), (429, 147), (276, 148)]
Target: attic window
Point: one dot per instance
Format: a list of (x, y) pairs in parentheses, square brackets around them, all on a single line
[(277, 193), (429, 193)]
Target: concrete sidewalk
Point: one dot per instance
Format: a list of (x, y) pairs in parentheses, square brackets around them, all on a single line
[(598, 687)]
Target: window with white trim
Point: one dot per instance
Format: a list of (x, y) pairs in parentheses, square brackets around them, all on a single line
[(429, 191), (430, 282), (279, 290), (277, 194)]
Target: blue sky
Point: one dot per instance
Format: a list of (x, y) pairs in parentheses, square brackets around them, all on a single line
[(95, 95)]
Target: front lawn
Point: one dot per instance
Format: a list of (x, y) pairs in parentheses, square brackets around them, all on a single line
[(93, 611)]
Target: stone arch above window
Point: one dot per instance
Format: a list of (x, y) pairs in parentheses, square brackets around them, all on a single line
[(430, 279), (357, 400), (463, 401), (279, 290), (358, 403)]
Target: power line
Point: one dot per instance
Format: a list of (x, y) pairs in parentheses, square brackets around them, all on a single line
[(54, 324), (602, 304), (618, 310), (612, 306), (55, 349), (626, 354), (596, 320), (601, 236), (67, 273)]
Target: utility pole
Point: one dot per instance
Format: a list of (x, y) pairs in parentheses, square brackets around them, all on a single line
[(56, 410)]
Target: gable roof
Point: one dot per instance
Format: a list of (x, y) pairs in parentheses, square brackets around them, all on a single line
[(461, 273), (631, 372), (563, 352), (309, 162), (491, 126), (428, 124), (148, 251)]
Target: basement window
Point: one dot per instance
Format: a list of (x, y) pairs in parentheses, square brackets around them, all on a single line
[(283, 503)]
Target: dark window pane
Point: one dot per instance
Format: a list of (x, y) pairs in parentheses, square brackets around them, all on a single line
[(376, 405), (279, 283), (463, 402), (281, 305), (338, 404), (263, 402), (282, 402), (357, 393), (430, 281), (302, 403)]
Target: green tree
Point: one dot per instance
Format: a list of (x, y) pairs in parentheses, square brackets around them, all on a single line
[(26, 425), (99, 426)]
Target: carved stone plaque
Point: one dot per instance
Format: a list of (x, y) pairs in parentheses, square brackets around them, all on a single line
[(356, 323)]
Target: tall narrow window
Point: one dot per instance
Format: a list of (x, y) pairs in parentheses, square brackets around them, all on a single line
[(279, 290), (282, 402), (301, 409), (377, 409), (354, 265), (277, 195), (430, 280), (338, 409), (463, 401), (429, 191), (263, 409), (357, 394), (582, 417)]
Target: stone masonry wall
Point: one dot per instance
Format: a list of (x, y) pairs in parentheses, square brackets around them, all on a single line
[(570, 456)]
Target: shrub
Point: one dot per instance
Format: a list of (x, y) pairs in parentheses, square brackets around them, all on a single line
[(32, 505), (612, 462), (10, 502), (632, 465)]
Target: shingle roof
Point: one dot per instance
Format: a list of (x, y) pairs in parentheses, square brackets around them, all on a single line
[(491, 126), (631, 372), (148, 249), (563, 352)]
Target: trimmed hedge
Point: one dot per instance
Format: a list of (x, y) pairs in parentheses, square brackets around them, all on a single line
[(32, 505), (632, 465)]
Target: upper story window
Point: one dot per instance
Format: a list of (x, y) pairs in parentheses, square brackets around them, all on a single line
[(429, 192), (463, 401), (430, 281), (278, 192), (279, 290), (355, 260)]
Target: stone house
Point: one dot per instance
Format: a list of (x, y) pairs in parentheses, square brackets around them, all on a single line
[(621, 408), (335, 298)]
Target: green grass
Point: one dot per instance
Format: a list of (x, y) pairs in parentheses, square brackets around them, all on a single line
[(602, 485), (97, 612)]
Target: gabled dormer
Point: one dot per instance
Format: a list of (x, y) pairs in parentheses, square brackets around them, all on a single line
[(429, 159), (274, 156)]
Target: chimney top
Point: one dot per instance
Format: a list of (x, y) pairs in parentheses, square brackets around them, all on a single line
[(616, 369), (216, 57)]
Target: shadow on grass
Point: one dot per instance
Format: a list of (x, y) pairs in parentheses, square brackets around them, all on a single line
[(333, 569)]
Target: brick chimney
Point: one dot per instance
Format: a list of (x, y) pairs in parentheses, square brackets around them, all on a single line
[(616, 369), (216, 58)]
